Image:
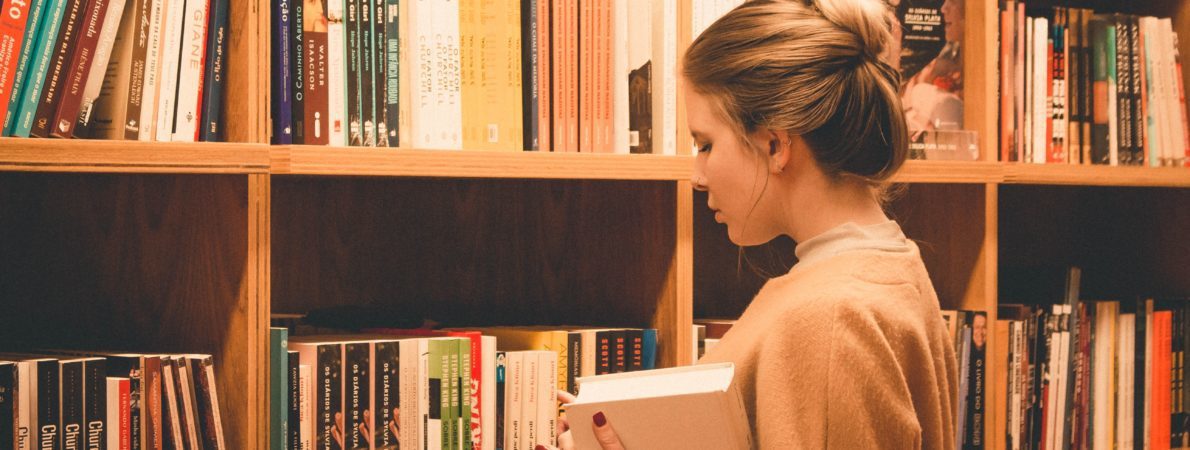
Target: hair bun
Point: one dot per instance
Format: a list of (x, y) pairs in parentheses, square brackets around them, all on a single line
[(869, 20)]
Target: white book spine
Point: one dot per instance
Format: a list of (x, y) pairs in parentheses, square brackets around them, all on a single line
[(407, 390), (191, 70), (1176, 147), (336, 73), (305, 406), (187, 402), (620, 77), (665, 59), (1027, 91), (171, 52), (547, 406), (529, 401), (421, 72), (209, 373), (148, 112), (448, 80), (487, 415), (103, 53), (1152, 91), (26, 409), (1040, 107), (512, 400)]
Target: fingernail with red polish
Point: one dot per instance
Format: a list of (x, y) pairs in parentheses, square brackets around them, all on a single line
[(599, 419), (541, 447)]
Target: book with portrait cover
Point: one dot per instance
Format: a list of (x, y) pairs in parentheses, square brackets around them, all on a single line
[(927, 50)]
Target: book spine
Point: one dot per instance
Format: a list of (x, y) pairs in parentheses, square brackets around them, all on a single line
[(100, 67), (547, 407), (650, 349), (636, 350), (531, 398), (530, 78), (190, 396), (205, 405), (380, 72), (305, 395), (48, 407), (436, 404), (39, 66), (12, 34), (1137, 127), (293, 380), (464, 395), (127, 437), (448, 110), (297, 64), (619, 351), (79, 69), (64, 49), (604, 344), (152, 78), (501, 401), (154, 416), (191, 71), (586, 74), (392, 71), (214, 77), (336, 73), (1100, 132), (72, 414), (1123, 86), (278, 368), (1181, 89), (282, 82), (95, 424), (314, 100), (171, 419), (575, 359), (129, 125), (367, 73), (355, 130), (386, 389), (171, 54), (329, 396), (640, 82), (8, 411), (31, 28), (356, 363)]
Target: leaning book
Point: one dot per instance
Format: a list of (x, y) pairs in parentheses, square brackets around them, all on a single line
[(651, 409)]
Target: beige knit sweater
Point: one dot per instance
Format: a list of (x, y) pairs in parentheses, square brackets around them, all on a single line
[(848, 350)]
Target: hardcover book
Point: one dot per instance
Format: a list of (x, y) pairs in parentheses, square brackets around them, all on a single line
[(96, 77), (649, 409), (78, 71), (64, 49)]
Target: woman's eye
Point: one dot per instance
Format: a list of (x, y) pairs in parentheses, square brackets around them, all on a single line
[(704, 148)]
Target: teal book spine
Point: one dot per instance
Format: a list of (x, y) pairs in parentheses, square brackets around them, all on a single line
[(18, 83), (278, 388), (43, 52), (650, 349)]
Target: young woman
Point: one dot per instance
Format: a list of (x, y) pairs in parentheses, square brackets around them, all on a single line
[(799, 124)]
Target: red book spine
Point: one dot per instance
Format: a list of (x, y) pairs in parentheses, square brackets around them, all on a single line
[(1159, 413), (12, 33), (544, 116), (66, 116), (125, 417)]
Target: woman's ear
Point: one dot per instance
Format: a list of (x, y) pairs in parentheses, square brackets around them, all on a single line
[(780, 147)]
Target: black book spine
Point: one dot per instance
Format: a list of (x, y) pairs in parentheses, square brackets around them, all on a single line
[(282, 73), (386, 384), (1142, 325), (367, 57), (1123, 99), (329, 396), (636, 349), (49, 419), (574, 341), (8, 401), (975, 396), (297, 61), (1134, 92), (355, 130), (95, 404), (619, 351), (603, 360), (356, 366), (213, 77), (501, 375), (529, 78), (379, 74), (72, 405), (392, 68), (295, 407)]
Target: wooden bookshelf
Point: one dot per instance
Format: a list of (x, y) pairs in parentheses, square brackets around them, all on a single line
[(1080, 175), (56, 155)]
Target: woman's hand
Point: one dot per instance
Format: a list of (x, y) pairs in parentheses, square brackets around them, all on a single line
[(604, 433)]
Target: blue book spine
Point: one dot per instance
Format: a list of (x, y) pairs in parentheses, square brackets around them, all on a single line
[(40, 64), (529, 79), (282, 76), (214, 78), (36, 10), (392, 101), (650, 349), (297, 64)]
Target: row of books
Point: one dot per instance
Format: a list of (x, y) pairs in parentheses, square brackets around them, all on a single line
[(438, 389), (968, 331), (72, 399), (1078, 87), (514, 75), (707, 333), (150, 70)]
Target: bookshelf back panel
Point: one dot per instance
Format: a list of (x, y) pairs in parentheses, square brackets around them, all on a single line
[(474, 251), (946, 221), (146, 263), (1129, 242)]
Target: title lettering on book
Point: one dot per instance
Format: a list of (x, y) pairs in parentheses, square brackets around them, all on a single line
[(95, 435), (199, 21), (16, 9), (922, 19), (22, 437), (48, 434), (71, 441), (326, 406)]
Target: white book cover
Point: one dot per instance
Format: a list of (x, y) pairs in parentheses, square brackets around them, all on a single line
[(405, 88), (448, 101), (103, 53), (26, 405), (1125, 337), (1148, 30), (1051, 380), (167, 78), (620, 76), (487, 415), (530, 401), (191, 71), (665, 62), (513, 386), (1014, 398), (421, 72), (407, 415), (1028, 93), (169, 387), (1040, 102), (1059, 386), (547, 399), (117, 421), (148, 112), (186, 399), (650, 409), (1176, 147), (336, 73), (305, 406)]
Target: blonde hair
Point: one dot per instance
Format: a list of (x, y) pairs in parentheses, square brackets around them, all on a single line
[(811, 68)]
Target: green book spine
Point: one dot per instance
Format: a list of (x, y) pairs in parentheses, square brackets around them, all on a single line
[(439, 389), (39, 64), (278, 388), (32, 27), (465, 394)]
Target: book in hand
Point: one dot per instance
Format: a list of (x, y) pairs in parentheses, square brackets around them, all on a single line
[(680, 408)]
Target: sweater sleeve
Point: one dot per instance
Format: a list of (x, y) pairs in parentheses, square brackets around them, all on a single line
[(869, 400)]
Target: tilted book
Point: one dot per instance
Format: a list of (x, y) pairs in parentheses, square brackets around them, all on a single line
[(650, 409)]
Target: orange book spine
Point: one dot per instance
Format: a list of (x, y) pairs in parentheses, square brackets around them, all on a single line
[(606, 71), (558, 54), (572, 76), (544, 100), (1159, 429), (1007, 140), (587, 50)]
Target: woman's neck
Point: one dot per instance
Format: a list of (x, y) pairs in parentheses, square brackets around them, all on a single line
[(827, 204)]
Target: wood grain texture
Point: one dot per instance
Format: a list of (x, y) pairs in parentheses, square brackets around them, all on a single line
[(148, 263), (946, 221), (475, 252), (1089, 175), (246, 101), (1130, 242), (73, 155), (312, 160), (980, 82), (260, 299), (675, 315)]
